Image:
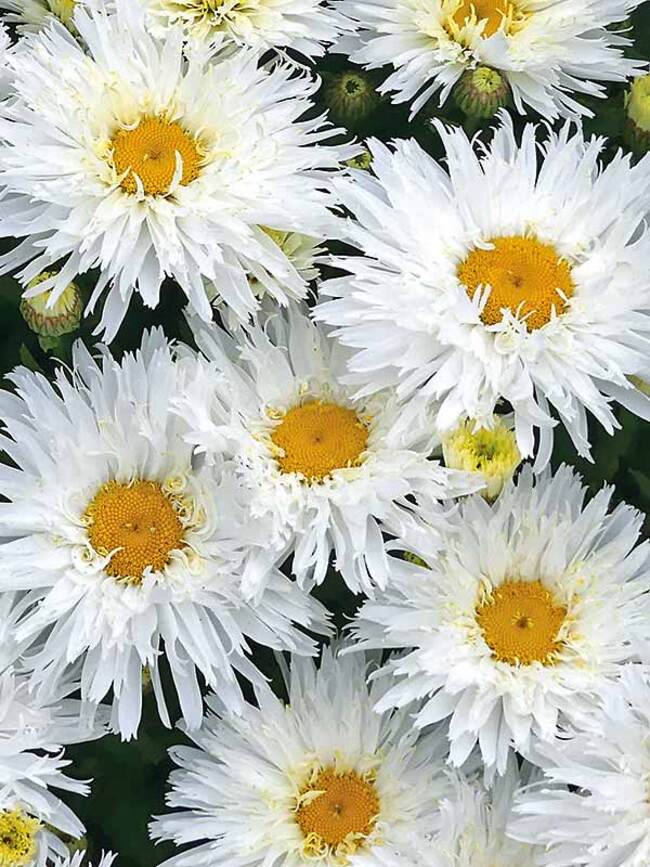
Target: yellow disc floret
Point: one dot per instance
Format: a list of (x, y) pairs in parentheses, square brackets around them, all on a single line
[(138, 522), (336, 812), (316, 437), (526, 276), (520, 622), (17, 838), (63, 9), (491, 15), (149, 152)]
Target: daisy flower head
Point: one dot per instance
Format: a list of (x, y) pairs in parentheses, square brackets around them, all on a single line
[(547, 52), (147, 163), (473, 823), (129, 554), (322, 779), (491, 452), (304, 26), (593, 808), (507, 275), (323, 468), (34, 727), (518, 624)]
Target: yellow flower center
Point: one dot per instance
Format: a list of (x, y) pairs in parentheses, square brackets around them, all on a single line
[(526, 277), (17, 838), (520, 621), (316, 438), (495, 14), (337, 813), (138, 522), (63, 9), (149, 152)]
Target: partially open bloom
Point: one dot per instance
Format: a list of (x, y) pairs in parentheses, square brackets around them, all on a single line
[(547, 52), (518, 272), (491, 452), (323, 779), (324, 468), (305, 26), (32, 15), (146, 162), (133, 553), (593, 808), (520, 622)]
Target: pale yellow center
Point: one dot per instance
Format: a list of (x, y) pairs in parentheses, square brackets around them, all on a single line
[(526, 277), (520, 622), (337, 810), (496, 14), (17, 838), (63, 9), (139, 519), (149, 151), (316, 438)]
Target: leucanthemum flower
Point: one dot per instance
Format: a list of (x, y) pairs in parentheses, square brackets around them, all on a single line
[(521, 620), (30, 16), (323, 779), (548, 52), (491, 452), (133, 553), (519, 273), (322, 467), (604, 819), (145, 163), (305, 26), (34, 727), (473, 822)]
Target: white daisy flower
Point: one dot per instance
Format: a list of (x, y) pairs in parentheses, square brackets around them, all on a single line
[(604, 819), (33, 730), (305, 26), (473, 824), (124, 542), (548, 52), (29, 16), (521, 620), (506, 276), (145, 164), (322, 467), (323, 779)]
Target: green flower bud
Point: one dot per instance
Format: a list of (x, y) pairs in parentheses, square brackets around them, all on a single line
[(47, 321), (351, 97), (481, 92), (636, 131), (361, 161)]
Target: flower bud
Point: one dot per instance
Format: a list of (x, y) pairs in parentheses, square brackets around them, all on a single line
[(481, 92), (490, 452)]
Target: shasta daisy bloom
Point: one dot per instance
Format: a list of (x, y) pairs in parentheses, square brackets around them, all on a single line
[(323, 468), (511, 275), (133, 554), (322, 779), (33, 730), (144, 164), (547, 52), (305, 26), (521, 620), (473, 822), (604, 818), (491, 452)]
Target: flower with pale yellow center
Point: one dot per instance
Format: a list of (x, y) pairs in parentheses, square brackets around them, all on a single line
[(489, 451)]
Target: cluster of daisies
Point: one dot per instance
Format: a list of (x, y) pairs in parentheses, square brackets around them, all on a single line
[(167, 514)]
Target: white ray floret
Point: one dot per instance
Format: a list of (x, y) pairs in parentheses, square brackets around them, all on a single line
[(604, 818), (304, 26), (144, 162), (516, 273), (133, 554), (324, 469), (551, 54), (519, 623), (78, 859), (323, 779)]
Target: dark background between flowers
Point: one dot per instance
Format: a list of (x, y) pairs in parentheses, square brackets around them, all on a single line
[(130, 779)]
